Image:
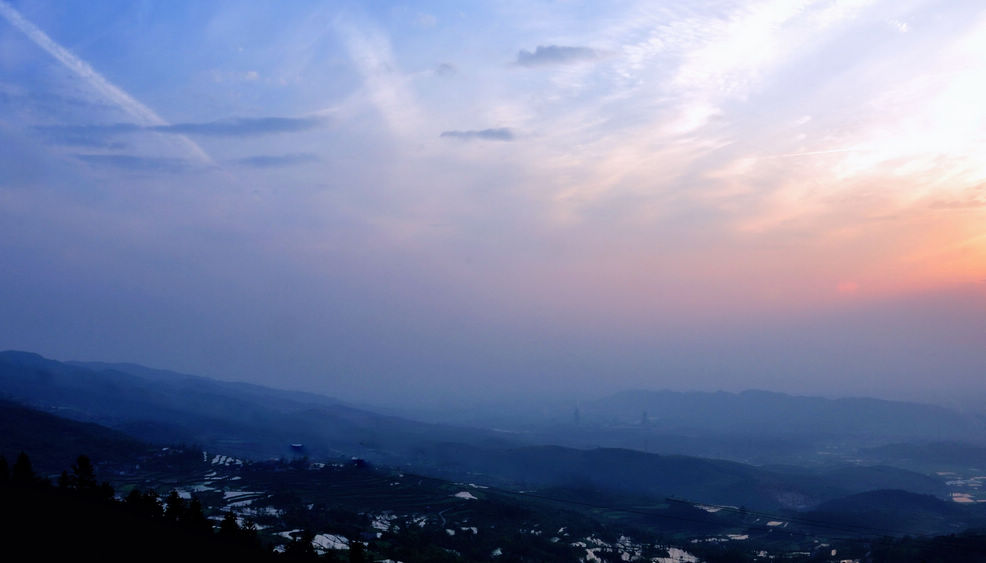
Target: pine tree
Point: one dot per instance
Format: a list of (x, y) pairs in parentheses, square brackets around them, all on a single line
[(134, 501), (228, 528), (84, 474), (301, 547), (23, 473), (174, 507), (357, 552), (194, 519), (151, 505)]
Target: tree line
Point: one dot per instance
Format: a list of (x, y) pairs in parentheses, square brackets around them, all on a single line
[(79, 515)]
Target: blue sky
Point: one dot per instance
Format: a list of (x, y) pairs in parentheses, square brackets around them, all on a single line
[(440, 199)]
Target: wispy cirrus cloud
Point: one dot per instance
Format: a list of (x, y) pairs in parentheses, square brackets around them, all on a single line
[(545, 55), (93, 79), (499, 134), (385, 86)]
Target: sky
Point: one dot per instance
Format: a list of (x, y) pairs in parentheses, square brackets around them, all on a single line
[(447, 201)]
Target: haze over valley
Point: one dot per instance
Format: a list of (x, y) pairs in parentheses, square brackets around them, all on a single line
[(500, 281)]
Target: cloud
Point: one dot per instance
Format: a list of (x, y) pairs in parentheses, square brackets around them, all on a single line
[(79, 139), (92, 136), (968, 204), (446, 69), (501, 134), (97, 135), (384, 85), (545, 55), (49, 102), (243, 126), (92, 78), (133, 163), (277, 161)]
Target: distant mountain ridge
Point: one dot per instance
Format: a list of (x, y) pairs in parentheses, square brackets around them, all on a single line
[(766, 413), (697, 479), (242, 419), (257, 422), (270, 394)]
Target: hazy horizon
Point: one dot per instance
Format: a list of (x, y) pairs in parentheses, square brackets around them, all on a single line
[(441, 203)]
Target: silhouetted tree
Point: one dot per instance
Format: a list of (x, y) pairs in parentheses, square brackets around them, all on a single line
[(134, 501), (228, 528), (84, 474), (174, 507), (194, 519), (248, 534), (357, 553), (64, 480), (4, 472), (301, 546), (145, 503), (104, 491), (23, 473), (150, 504)]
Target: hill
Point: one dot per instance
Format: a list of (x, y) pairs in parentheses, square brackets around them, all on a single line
[(897, 511), (58, 441), (239, 419), (764, 413), (257, 422)]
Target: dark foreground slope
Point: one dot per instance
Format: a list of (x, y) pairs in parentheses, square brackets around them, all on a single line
[(44, 523), (58, 441)]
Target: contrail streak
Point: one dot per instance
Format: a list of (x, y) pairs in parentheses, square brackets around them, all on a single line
[(143, 114)]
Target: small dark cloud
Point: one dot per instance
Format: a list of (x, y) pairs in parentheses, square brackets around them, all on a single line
[(133, 163), (243, 126), (50, 103), (99, 135), (85, 135), (968, 204), (501, 134), (276, 161), (545, 55), (446, 69), (89, 137), (88, 142)]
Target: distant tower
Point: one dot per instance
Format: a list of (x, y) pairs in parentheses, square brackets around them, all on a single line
[(577, 416)]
